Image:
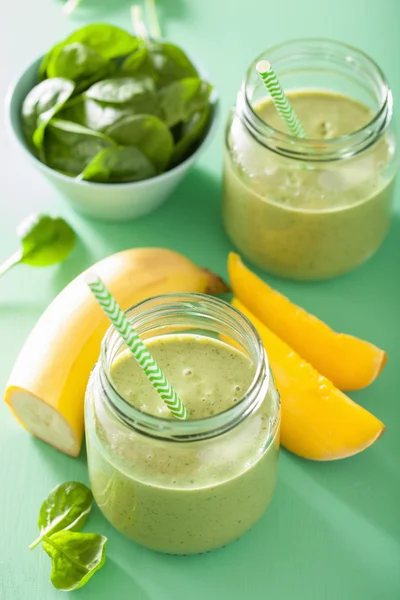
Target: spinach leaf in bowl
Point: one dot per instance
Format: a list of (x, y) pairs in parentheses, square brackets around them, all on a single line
[(118, 165), (147, 133), (69, 147), (107, 40), (138, 94), (179, 100), (94, 115), (190, 134), (40, 105), (121, 90), (130, 66), (130, 108), (78, 63), (163, 62)]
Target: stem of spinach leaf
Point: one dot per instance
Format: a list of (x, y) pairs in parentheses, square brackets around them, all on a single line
[(10, 262), (152, 16), (70, 6), (36, 542), (139, 27)]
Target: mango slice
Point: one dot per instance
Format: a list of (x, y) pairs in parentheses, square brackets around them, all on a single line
[(349, 362), (319, 422)]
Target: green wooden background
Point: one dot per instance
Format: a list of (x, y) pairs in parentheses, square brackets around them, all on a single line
[(332, 531)]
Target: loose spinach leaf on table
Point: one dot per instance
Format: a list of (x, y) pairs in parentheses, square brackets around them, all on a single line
[(147, 133), (107, 40), (41, 104), (75, 557), (119, 165), (68, 505), (179, 100), (44, 241), (78, 63), (163, 62), (70, 147), (190, 134)]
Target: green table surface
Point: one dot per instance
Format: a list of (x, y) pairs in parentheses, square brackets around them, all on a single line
[(332, 531)]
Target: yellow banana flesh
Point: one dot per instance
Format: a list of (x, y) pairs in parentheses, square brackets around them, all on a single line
[(46, 387)]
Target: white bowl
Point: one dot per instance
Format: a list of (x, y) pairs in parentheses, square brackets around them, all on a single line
[(105, 201)]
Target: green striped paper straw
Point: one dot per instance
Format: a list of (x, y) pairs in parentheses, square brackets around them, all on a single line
[(282, 104), (118, 318)]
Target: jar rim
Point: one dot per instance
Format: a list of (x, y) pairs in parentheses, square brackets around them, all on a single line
[(192, 429), (305, 148)]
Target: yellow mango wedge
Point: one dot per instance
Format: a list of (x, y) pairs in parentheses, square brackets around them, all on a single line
[(319, 422), (47, 385), (349, 362)]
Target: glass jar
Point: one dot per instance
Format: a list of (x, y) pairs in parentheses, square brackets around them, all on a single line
[(183, 487), (311, 208)]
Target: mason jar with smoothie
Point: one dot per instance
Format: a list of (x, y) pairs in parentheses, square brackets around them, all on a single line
[(318, 207), (189, 486)]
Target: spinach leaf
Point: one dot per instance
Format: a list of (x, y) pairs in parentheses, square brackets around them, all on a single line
[(73, 110), (42, 74), (70, 147), (75, 558), (44, 241), (118, 165), (41, 104), (179, 100), (121, 90), (147, 133), (128, 92), (94, 115), (100, 116), (78, 63), (190, 134), (133, 62), (68, 505), (107, 40), (138, 94), (163, 62)]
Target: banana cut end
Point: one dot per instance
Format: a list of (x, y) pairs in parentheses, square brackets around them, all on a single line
[(43, 421)]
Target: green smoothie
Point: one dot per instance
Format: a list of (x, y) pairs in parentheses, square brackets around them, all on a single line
[(185, 496), (308, 220)]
